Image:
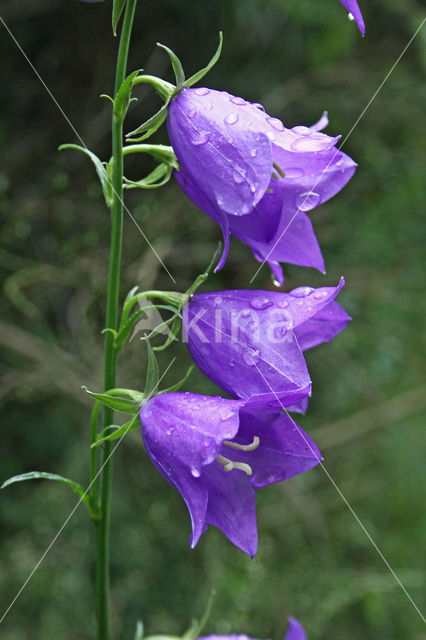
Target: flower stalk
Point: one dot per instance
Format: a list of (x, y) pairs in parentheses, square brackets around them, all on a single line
[(103, 524)]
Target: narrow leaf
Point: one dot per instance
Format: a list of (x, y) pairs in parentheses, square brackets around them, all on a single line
[(157, 178), (200, 74), (150, 126), (115, 401), (178, 385), (117, 10), (176, 64), (100, 170), (44, 475), (152, 372), (119, 432)]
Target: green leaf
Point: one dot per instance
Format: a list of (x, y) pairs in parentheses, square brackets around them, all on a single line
[(113, 399), (152, 372), (203, 276), (200, 74), (117, 10), (161, 152), (179, 385), (126, 328), (119, 432), (172, 336), (150, 126), (43, 475), (100, 170), (122, 98), (177, 66), (157, 178)]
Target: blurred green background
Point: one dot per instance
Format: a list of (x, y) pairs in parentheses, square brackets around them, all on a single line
[(297, 57)]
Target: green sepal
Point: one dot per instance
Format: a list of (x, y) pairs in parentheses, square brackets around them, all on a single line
[(122, 97), (200, 74), (100, 170), (119, 432), (161, 152), (150, 126), (173, 333), (203, 276), (152, 372), (117, 10), (165, 89), (157, 178), (179, 385), (114, 400), (126, 328), (177, 66), (139, 630), (44, 475)]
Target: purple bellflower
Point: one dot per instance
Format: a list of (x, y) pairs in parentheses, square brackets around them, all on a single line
[(250, 342), (253, 176), (295, 632), (217, 452), (355, 13)]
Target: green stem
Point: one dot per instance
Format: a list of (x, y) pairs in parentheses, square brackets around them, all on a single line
[(103, 524)]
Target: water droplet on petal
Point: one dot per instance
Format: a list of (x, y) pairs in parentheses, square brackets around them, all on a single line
[(191, 113), (200, 137), (312, 143), (282, 304), (245, 313), (258, 106), (303, 131), (275, 282), (320, 295), (275, 123), (227, 414), (307, 201), (232, 118), (170, 431), (253, 153), (280, 332), (260, 303), (195, 472), (351, 17), (251, 357), (237, 100), (253, 188), (208, 106), (294, 172), (232, 363), (202, 91), (301, 292), (237, 177)]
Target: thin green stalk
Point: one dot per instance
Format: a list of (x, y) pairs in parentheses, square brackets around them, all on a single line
[(103, 524)]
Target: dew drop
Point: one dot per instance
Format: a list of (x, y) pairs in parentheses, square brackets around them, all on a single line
[(237, 177), (253, 153), (258, 106), (245, 313), (237, 100), (195, 472), (280, 333), (294, 172), (200, 137), (226, 415), (191, 113), (303, 131), (260, 303), (312, 143), (301, 292), (275, 123), (202, 91), (170, 431), (351, 17), (251, 357), (282, 304), (232, 362), (253, 188), (232, 118), (275, 282), (320, 295), (208, 106), (307, 201)]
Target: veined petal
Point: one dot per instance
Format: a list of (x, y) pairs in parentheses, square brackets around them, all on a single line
[(295, 631), (231, 506), (229, 162), (284, 451), (322, 327), (244, 343)]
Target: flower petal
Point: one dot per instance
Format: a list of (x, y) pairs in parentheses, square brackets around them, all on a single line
[(285, 450), (322, 327), (304, 303), (230, 163), (353, 8), (295, 631), (244, 343), (231, 506)]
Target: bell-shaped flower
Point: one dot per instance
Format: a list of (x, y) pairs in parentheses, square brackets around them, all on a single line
[(355, 13), (217, 452), (253, 176), (295, 631), (250, 342)]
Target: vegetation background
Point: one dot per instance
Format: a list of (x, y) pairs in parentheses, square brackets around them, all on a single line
[(297, 57)]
